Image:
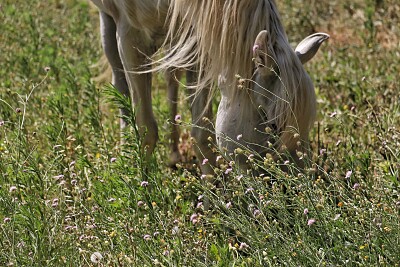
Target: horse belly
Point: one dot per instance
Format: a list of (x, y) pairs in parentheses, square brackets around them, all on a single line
[(147, 15)]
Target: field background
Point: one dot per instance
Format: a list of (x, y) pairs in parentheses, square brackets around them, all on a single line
[(70, 193)]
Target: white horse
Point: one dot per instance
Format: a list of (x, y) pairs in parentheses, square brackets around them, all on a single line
[(215, 38)]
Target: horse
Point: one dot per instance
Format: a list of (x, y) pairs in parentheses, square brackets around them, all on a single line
[(240, 45)]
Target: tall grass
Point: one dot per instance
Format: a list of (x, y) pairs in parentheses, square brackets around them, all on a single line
[(72, 195)]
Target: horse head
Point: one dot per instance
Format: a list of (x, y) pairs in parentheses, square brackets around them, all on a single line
[(277, 108)]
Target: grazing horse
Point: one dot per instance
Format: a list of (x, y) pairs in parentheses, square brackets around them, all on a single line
[(239, 43)]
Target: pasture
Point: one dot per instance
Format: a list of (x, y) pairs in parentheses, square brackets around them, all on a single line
[(72, 195)]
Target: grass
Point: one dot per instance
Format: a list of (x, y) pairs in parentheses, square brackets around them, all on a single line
[(69, 190)]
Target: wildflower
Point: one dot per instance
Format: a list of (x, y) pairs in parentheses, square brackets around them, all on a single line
[(311, 222), (238, 151), (166, 253), (219, 157), (348, 174), (112, 160), (255, 48), (13, 189), (203, 176), (243, 246), (72, 164), (305, 212), (239, 137), (178, 118), (57, 177), (199, 205), (2, 123), (147, 237), (156, 233), (74, 182), (231, 247), (144, 184), (46, 69), (7, 220), (229, 170), (140, 203), (18, 110), (175, 230), (356, 186), (55, 203), (256, 213), (70, 227), (337, 216), (387, 229), (205, 161), (96, 257), (21, 244), (205, 119), (249, 190), (194, 218), (111, 199), (228, 205), (333, 114), (300, 154)]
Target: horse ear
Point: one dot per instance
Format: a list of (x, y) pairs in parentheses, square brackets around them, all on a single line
[(263, 60), (307, 48)]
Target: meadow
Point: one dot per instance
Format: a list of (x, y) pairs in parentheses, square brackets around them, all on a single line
[(72, 195)]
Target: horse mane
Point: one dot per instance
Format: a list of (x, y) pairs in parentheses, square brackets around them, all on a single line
[(217, 36)]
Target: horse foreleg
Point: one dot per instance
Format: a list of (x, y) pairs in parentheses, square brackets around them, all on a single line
[(172, 78), (108, 32), (133, 50), (202, 129)]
